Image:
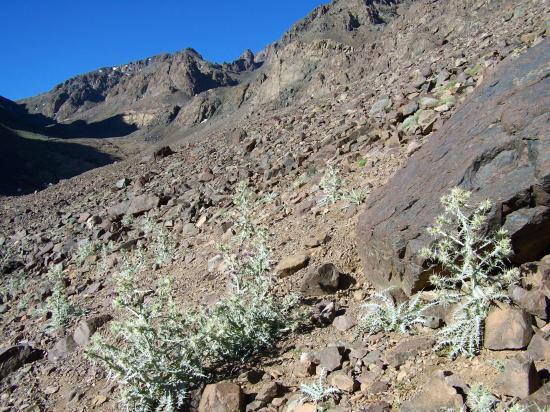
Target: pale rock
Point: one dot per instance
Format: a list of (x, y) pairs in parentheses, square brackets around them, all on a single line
[(343, 382), (330, 358), (507, 327), (291, 264), (221, 397), (344, 322)]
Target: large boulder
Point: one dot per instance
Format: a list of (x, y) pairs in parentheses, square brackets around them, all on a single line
[(497, 145)]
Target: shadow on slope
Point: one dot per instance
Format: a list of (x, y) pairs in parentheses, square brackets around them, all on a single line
[(114, 126), (31, 163), (16, 116)]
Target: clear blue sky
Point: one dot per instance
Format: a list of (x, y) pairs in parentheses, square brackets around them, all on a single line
[(47, 41)]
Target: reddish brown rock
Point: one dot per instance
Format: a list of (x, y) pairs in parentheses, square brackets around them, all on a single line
[(435, 395), (507, 327), (408, 348), (520, 377), (539, 347), (222, 397), (495, 146)]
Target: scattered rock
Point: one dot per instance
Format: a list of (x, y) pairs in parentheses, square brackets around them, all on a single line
[(268, 392), (379, 406), (87, 328), (409, 108), (163, 152), (62, 348), (50, 390), (540, 398), (291, 264), (520, 377), (344, 322), (206, 176), (305, 407), (330, 359), (507, 327), (435, 395), (143, 203), (539, 347), (343, 381), (122, 183), (222, 397), (382, 104), (533, 301), (326, 312), (321, 281), (407, 348)]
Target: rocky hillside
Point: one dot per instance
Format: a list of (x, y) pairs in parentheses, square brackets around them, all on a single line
[(346, 132)]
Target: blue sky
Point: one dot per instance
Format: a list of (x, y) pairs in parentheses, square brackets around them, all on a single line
[(47, 41)]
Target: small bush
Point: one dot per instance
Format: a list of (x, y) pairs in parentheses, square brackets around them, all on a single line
[(58, 305), (12, 286), (330, 184), (382, 314), (85, 248), (157, 357), (475, 272), (355, 197), (318, 392), (251, 318), (480, 399), (163, 245), (127, 220), (161, 352), (245, 226)]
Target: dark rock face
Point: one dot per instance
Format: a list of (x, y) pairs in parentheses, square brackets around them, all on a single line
[(497, 146), (15, 357)]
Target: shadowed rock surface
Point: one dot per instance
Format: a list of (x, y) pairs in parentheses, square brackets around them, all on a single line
[(497, 146)]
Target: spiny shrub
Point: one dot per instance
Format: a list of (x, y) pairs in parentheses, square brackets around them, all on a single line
[(12, 286), (330, 184), (85, 248), (161, 352), (127, 220), (245, 226), (157, 355), (480, 399), (250, 318), (355, 196), (57, 305), (475, 274), (382, 314), (318, 392), (163, 245)]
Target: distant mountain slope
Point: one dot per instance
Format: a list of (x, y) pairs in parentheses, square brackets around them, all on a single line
[(184, 88), (171, 98)]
